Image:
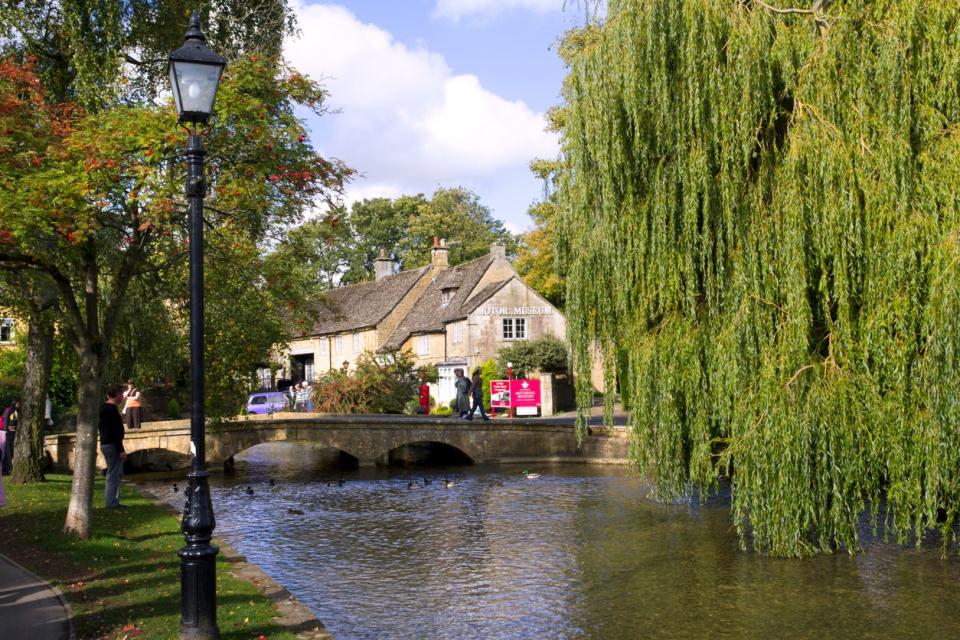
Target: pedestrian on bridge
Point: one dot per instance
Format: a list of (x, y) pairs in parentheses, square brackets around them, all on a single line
[(476, 390), (462, 384), (134, 405)]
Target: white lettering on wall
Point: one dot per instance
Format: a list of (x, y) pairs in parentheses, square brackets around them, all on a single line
[(515, 311)]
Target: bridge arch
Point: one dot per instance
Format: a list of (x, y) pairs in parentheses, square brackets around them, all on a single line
[(424, 452)]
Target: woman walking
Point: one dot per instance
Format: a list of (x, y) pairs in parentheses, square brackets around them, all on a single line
[(462, 385), (11, 418), (134, 405)]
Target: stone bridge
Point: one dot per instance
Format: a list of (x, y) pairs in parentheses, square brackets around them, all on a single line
[(371, 438)]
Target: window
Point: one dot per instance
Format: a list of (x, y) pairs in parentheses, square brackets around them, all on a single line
[(356, 343), (514, 328), (423, 344), (324, 345), (457, 337), (446, 295), (338, 343), (6, 330)]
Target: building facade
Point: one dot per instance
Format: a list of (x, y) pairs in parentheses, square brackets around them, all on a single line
[(451, 317)]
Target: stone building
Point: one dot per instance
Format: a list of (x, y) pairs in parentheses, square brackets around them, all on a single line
[(448, 316)]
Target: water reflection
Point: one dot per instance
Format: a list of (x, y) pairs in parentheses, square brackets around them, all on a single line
[(579, 553)]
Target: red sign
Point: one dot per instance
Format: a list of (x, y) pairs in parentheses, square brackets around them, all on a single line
[(500, 394), (525, 393), (514, 393)]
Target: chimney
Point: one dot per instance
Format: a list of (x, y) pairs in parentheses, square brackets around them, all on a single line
[(439, 253), (382, 266), (498, 250)]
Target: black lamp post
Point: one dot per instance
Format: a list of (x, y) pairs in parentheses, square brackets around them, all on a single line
[(194, 76)]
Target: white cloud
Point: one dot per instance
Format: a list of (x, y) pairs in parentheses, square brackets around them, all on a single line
[(407, 121), (456, 9)]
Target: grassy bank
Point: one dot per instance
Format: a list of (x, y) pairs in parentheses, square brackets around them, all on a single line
[(124, 581)]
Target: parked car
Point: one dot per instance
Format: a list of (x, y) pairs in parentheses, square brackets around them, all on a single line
[(267, 402)]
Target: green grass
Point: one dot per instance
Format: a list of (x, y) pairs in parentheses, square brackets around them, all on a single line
[(129, 566)]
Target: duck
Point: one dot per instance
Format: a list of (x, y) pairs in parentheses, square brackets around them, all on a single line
[(295, 512), (175, 488), (271, 482), (427, 481), (412, 485), (249, 491), (530, 476), (497, 483), (449, 484)]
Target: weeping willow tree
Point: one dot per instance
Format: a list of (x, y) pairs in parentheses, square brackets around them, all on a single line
[(762, 230)]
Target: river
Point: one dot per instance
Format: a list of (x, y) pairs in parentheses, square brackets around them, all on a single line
[(581, 552)]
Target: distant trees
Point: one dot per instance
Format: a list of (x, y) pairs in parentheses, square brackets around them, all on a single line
[(342, 247)]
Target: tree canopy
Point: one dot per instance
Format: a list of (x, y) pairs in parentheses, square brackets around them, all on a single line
[(760, 217), (341, 247)]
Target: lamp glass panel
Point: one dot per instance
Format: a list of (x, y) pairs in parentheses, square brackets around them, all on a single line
[(196, 86), (175, 88)]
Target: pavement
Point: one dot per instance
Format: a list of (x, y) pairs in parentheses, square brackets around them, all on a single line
[(29, 607)]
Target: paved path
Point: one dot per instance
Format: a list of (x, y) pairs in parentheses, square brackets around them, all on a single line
[(29, 607)]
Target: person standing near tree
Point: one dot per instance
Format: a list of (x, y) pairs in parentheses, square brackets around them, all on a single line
[(111, 446), (134, 405), (476, 390), (424, 394), (11, 417)]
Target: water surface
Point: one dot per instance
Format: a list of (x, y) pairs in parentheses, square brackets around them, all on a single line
[(581, 552)]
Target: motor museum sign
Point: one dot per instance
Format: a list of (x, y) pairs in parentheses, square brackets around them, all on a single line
[(491, 310)]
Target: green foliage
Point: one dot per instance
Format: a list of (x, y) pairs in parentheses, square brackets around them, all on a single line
[(441, 410), (382, 383), (547, 353), (536, 257), (490, 371), (759, 213), (173, 409), (430, 373), (10, 389), (342, 248), (12, 362)]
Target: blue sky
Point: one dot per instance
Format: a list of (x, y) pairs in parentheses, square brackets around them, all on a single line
[(436, 93)]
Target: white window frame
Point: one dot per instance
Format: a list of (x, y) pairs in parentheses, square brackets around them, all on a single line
[(356, 343), (423, 344), (457, 333), (447, 295), (324, 346), (513, 328), (338, 344), (7, 323)]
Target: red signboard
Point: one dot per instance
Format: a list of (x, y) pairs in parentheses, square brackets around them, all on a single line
[(514, 393), (500, 394)]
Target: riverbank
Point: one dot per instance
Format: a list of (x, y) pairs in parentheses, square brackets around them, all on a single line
[(124, 581)]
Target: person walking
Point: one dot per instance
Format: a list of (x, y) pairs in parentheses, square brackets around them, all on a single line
[(3, 444), (424, 395), (11, 418), (476, 390), (303, 394), (133, 408), (111, 446), (462, 385)]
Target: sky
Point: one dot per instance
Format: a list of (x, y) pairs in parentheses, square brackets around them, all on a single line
[(436, 93)]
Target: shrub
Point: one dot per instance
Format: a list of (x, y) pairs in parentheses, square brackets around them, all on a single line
[(548, 353), (173, 409), (441, 410), (430, 373), (382, 383)]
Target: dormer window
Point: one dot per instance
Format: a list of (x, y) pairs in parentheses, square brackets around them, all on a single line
[(446, 294)]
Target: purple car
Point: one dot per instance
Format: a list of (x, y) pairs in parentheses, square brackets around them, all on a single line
[(266, 402)]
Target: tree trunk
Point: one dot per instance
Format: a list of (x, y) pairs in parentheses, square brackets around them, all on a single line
[(85, 454), (28, 456)]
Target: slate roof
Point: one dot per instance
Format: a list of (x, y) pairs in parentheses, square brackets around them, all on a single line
[(429, 313), (363, 305)]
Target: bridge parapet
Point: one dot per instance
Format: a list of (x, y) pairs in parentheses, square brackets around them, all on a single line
[(368, 437)]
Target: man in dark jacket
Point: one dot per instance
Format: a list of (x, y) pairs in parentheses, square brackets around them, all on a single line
[(476, 390), (11, 419), (111, 445)]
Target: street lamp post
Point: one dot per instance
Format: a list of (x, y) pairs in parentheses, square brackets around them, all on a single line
[(195, 73)]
